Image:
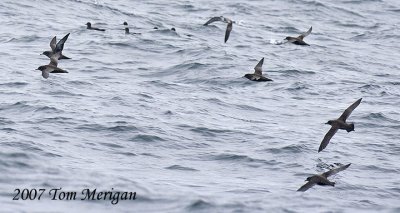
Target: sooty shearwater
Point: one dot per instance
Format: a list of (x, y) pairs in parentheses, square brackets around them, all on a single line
[(51, 67), (339, 123), (223, 19), (299, 40), (322, 179), (89, 27), (57, 48), (257, 75)]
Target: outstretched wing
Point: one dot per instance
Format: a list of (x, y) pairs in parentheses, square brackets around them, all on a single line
[(45, 74), (228, 31), (335, 171), (214, 19), (258, 67), (303, 35), (327, 138), (306, 186), (53, 43), (60, 44), (58, 70), (349, 110)]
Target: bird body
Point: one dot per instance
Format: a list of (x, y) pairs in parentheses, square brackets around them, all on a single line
[(222, 19), (322, 179), (57, 47), (257, 75), (339, 123), (299, 39), (89, 27)]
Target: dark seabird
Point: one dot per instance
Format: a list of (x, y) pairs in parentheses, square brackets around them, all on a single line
[(127, 31), (125, 23), (322, 179), (173, 29), (52, 67), (89, 27), (57, 47), (299, 40), (223, 19), (339, 123), (257, 75)]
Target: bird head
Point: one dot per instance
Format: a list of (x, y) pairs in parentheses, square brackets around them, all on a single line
[(46, 53), (41, 68), (248, 76)]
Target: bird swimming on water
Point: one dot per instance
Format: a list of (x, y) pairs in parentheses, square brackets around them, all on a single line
[(51, 67), (339, 123), (223, 19), (299, 39), (89, 27), (322, 179), (257, 75), (57, 47)]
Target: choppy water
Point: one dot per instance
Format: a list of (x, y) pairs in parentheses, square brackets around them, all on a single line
[(169, 115)]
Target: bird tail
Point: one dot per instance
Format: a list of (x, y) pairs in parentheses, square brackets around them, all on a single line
[(64, 57), (351, 128)]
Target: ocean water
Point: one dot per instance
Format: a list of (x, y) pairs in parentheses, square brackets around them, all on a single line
[(168, 115)]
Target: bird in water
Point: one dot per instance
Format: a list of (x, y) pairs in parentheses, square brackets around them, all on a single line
[(51, 67), (57, 47), (223, 19), (322, 179), (257, 75), (89, 27), (299, 39), (339, 123)]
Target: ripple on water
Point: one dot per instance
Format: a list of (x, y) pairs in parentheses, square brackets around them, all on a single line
[(182, 168), (146, 138)]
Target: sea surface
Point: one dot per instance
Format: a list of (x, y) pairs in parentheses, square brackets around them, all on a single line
[(168, 115)]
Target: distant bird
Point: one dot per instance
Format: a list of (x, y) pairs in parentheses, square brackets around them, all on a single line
[(125, 23), (299, 40), (339, 123), (322, 179), (89, 27), (126, 30), (173, 29), (223, 19), (51, 67), (257, 75), (55, 48)]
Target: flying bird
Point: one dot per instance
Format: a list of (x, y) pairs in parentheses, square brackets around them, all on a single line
[(57, 48), (299, 40), (257, 75), (51, 67), (322, 179), (223, 19), (339, 123), (89, 27)]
